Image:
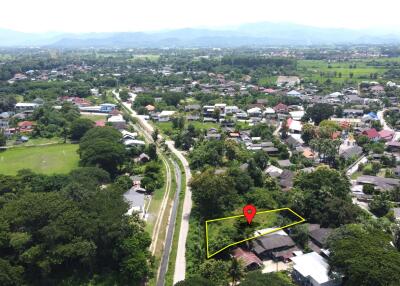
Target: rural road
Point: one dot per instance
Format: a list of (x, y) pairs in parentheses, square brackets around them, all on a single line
[(381, 117), (180, 264), (171, 228)]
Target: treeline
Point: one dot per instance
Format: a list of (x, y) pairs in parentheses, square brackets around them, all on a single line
[(253, 62)]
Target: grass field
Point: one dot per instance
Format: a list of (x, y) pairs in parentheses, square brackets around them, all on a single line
[(37, 141), (94, 117), (322, 70), (60, 158)]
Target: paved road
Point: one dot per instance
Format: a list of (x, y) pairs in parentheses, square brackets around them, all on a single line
[(354, 168), (171, 229), (180, 264), (381, 117)]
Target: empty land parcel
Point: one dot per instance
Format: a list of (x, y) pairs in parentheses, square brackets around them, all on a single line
[(52, 159)]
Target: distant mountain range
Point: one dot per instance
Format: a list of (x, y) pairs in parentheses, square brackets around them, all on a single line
[(256, 34)]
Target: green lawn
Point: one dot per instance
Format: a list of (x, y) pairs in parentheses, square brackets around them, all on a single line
[(60, 158), (94, 117), (322, 70)]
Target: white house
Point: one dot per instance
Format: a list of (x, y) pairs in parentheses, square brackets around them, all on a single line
[(254, 112), (294, 93), (107, 107), (294, 126), (134, 142), (231, 109), (128, 135), (136, 202), (26, 106), (117, 121), (312, 269), (297, 115), (165, 115)]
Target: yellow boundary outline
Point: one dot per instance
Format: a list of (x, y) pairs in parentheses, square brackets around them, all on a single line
[(264, 233)]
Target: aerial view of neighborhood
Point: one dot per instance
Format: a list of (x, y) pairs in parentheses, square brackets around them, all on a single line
[(261, 151)]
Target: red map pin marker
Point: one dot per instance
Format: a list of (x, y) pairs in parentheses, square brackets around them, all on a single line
[(249, 212)]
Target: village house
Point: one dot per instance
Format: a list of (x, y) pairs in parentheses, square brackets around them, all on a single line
[(165, 115), (107, 107), (136, 201), (25, 106), (380, 183), (25, 126), (274, 245), (117, 121), (249, 259), (78, 101), (312, 269)]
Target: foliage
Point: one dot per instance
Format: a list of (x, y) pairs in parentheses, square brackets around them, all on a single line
[(50, 236), (262, 130), (216, 271), (380, 205), (364, 256), (207, 153), (299, 233), (101, 146), (327, 149), (308, 132), (195, 281), (323, 197), (79, 127), (213, 194), (318, 112), (257, 278), (3, 139)]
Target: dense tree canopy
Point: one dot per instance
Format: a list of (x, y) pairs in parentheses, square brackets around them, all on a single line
[(69, 232), (101, 146), (364, 257), (319, 112), (79, 127), (213, 194)]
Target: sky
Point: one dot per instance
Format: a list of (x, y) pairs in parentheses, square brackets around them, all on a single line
[(80, 16)]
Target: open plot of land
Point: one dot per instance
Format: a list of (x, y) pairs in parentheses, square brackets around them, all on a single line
[(338, 71), (166, 127), (94, 117), (36, 141), (228, 231), (60, 158)]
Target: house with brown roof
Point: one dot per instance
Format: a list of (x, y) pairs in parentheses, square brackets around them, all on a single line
[(272, 245), (249, 259)]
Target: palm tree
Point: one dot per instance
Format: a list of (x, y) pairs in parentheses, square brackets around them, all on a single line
[(236, 271)]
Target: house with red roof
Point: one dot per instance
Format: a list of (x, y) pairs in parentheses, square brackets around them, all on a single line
[(281, 108), (386, 135), (372, 134), (25, 126), (78, 101), (100, 123), (249, 259)]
